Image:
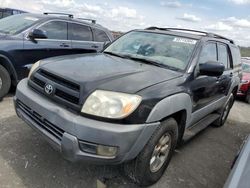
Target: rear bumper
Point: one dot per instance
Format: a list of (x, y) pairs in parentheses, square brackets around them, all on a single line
[(64, 129)]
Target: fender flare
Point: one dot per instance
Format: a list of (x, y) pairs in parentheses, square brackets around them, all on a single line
[(10, 68), (171, 105)]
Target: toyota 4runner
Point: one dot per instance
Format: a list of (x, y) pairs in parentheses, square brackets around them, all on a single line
[(134, 102)]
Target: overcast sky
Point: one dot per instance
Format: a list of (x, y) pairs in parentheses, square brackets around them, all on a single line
[(228, 17)]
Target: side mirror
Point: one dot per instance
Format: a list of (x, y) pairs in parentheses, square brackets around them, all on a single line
[(212, 68), (38, 34)]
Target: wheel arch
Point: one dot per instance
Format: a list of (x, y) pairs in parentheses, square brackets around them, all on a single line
[(178, 106), (179, 103), (7, 64)]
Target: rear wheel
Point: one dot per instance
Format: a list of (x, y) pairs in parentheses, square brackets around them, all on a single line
[(5, 82), (224, 112), (148, 167)]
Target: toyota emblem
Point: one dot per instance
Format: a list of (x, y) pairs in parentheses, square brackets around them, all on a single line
[(48, 89)]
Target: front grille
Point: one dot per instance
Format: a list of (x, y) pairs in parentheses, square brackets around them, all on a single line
[(60, 80), (65, 92), (43, 123)]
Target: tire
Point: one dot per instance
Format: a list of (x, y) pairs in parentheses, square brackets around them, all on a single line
[(224, 112), (248, 97), (143, 170), (5, 82)]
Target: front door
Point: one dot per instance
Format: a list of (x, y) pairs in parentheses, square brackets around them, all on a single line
[(56, 44)]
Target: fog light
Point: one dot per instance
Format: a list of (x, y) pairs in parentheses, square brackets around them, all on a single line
[(88, 147), (108, 151)]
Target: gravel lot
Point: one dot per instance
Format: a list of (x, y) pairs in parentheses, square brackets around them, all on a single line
[(26, 160)]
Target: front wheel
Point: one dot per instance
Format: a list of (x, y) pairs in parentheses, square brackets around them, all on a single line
[(5, 82), (148, 167), (224, 112)]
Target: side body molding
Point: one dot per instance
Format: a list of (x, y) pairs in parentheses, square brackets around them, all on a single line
[(170, 105)]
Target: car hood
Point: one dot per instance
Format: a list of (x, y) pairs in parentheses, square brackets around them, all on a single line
[(103, 71)]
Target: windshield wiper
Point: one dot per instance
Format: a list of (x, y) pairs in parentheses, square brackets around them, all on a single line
[(147, 61), (143, 60), (114, 54), (151, 62)]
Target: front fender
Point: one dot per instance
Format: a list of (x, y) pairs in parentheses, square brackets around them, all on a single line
[(171, 105)]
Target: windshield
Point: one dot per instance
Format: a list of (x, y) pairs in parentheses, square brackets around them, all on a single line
[(246, 67), (17, 23), (169, 50)]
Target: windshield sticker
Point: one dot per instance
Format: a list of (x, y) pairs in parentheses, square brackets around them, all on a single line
[(183, 40), (31, 18)]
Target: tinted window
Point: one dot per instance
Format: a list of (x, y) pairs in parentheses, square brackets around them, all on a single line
[(223, 55), (236, 55), (55, 30), (79, 32), (208, 53), (100, 36)]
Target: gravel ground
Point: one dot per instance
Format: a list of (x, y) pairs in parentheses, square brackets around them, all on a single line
[(26, 160)]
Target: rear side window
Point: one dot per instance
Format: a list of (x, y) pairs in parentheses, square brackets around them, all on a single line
[(236, 55), (223, 55), (55, 30), (208, 53), (100, 36), (80, 32)]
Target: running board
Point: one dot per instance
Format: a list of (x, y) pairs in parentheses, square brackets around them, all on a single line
[(199, 126)]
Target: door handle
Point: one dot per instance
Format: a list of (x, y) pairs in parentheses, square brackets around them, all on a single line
[(64, 45), (94, 46)]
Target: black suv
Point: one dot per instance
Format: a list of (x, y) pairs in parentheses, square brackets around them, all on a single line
[(27, 38), (147, 92)]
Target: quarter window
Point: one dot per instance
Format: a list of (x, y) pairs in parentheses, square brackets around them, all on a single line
[(100, 36), (55, 30), (208, 53), (223, 55), (236, 55), (80, 32)]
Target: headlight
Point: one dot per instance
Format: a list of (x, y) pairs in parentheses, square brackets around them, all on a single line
[(110, 104), (244, 81), (34, 67)]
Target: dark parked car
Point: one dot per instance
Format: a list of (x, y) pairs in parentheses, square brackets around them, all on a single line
[(5, 12), (27, 38), (244, 90), (135, 101)]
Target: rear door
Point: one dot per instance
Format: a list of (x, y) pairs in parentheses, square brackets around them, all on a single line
[(81, 37), (225, 58)]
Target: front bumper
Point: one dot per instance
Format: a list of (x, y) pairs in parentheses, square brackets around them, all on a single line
[(64, 129)]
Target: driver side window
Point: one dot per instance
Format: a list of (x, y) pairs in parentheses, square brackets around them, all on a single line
[(208, 53)]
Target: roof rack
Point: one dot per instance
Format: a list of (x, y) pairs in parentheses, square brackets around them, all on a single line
[(86, 19), (191, 30), (58, 13)]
